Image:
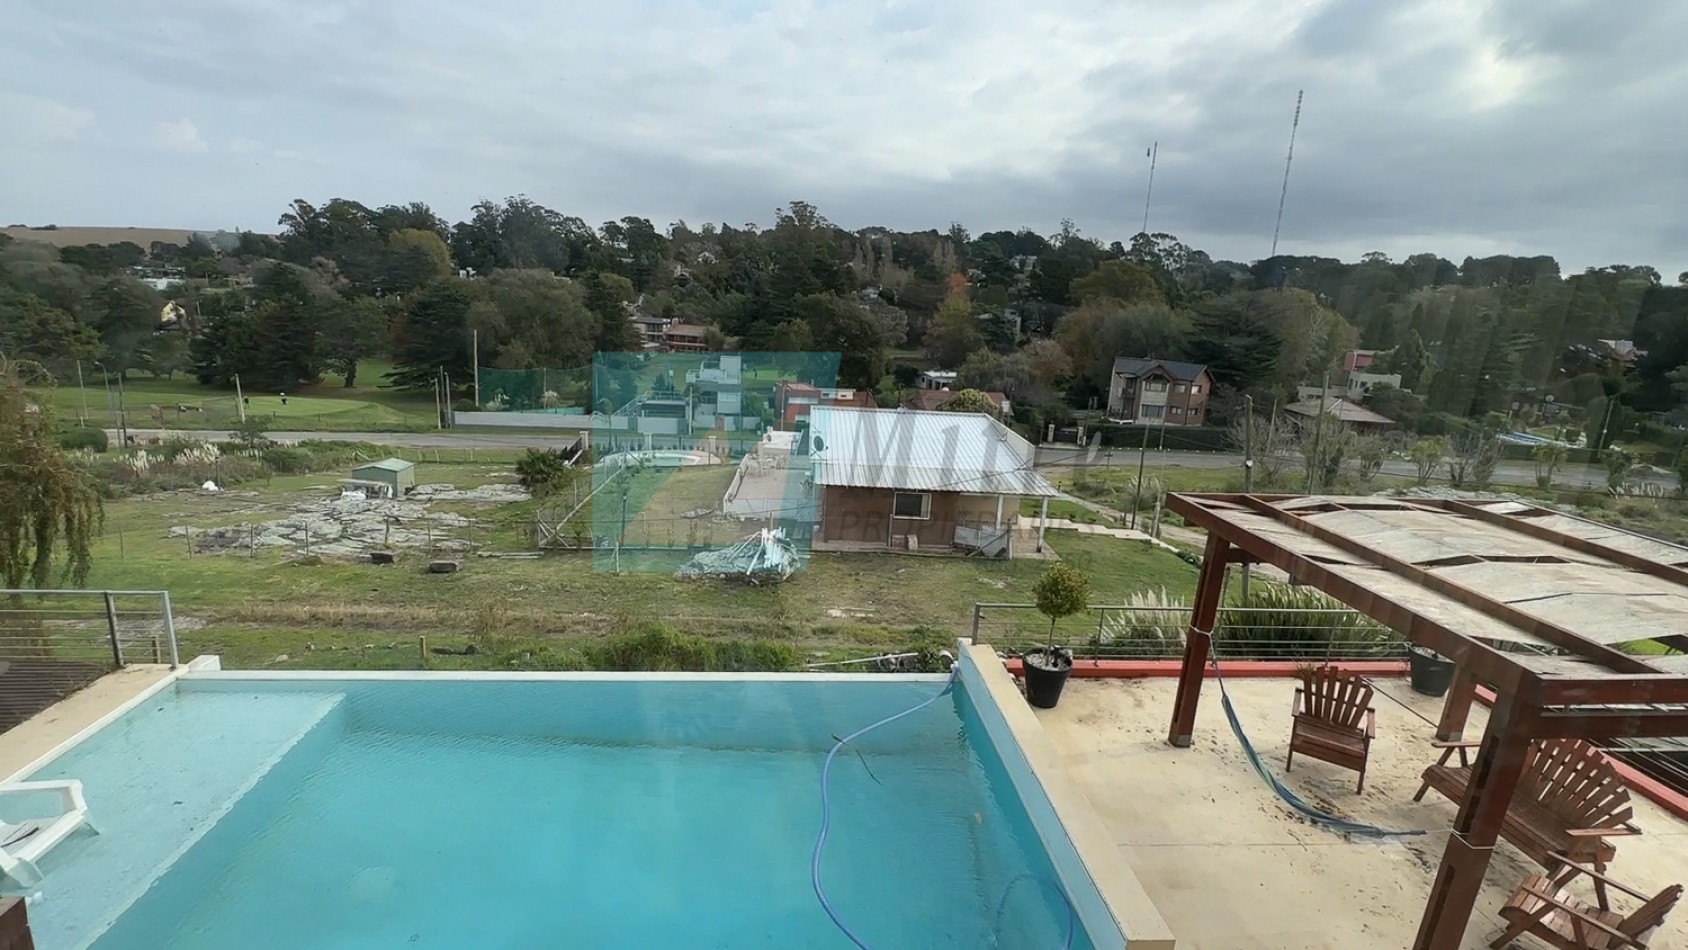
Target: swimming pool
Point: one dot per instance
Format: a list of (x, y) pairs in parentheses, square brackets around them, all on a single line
[(556, 811)]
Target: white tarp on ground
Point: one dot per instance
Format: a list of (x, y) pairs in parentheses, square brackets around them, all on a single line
[(764, 555)]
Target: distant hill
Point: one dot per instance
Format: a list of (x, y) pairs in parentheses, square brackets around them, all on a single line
[(70, 236)]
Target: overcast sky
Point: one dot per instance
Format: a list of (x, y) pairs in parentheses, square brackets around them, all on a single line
[(1510, 126)]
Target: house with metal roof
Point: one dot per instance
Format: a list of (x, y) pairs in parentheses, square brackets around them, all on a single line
[(1159, 392), (388, 478), (917, 480), (1348, 413)]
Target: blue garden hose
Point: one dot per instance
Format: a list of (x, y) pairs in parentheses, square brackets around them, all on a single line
[(826, 824)]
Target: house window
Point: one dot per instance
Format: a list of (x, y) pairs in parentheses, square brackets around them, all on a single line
[(1177, 411), (1179, 387), (908, 504), (1195, 387), (1152, 412), (1156, 385)]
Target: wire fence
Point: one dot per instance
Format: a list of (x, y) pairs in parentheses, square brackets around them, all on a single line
[(53, 643), (1105, 631), (111, 628)]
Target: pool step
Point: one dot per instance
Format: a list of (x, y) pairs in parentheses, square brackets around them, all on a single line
[(180, 763)]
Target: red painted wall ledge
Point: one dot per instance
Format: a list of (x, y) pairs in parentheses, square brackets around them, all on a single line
[(1660, 794), (1236, 669)]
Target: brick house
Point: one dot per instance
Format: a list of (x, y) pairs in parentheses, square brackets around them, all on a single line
[(913, 480), (1159, 392), (793, 401)]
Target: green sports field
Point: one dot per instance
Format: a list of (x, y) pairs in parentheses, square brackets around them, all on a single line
[(182, 403)]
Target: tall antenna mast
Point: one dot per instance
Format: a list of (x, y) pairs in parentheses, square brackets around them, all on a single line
[(1154, 153), (1285, 193)]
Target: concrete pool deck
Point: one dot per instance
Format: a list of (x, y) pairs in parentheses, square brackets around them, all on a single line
[(1230, 869), (24, 744)]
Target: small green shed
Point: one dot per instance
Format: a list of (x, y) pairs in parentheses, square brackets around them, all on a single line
[(390, 477)]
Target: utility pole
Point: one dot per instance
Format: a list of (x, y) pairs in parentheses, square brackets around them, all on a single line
[(122, 412), (1142, 456), (1248, 467), (1605, 427), (477, 359), (111, 400), (445, 397), (83, 390), (239, 399), (622, 534), (1318, 433), (439, 418)]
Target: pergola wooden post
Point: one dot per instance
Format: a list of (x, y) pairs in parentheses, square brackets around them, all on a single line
[(1198, 641), (1465, 860), (1456, 708), (1457, 578)]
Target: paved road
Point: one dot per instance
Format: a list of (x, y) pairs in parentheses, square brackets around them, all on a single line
[(1506, 473), (1048, 456), (454, 439)]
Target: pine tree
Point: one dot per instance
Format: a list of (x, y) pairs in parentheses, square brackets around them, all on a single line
[(433, 334)]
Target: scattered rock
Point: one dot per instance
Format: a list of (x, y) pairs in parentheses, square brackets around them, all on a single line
[(496, 493), (349, 526), (443, 567)]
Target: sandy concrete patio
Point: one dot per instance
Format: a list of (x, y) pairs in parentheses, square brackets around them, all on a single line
[(40, 734), (1231, 869)]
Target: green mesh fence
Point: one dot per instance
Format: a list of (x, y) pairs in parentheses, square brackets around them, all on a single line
[(564, 391)]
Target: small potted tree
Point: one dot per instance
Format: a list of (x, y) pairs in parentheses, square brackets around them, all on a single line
[(1062, 591)]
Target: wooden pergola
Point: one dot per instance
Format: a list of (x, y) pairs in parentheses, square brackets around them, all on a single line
[(1527, 601)]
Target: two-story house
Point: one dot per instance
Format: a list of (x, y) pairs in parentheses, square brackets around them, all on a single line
[(1159, 392)]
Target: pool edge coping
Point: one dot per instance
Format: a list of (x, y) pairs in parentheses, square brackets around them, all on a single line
[(1134, 913), (110, 716), (553, 676)]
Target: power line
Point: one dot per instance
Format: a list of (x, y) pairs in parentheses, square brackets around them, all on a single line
[(1294, 124)]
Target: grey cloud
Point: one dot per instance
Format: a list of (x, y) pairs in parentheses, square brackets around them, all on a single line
[(1518, 125)]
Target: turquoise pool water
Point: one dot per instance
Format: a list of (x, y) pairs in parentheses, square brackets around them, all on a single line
[(545, 813)]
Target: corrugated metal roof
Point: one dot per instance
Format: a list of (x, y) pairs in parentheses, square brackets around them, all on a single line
[(1342, 409), (387, 465), (922, 451)]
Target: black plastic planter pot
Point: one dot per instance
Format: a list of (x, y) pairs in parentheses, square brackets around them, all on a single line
[(1432, 673), (1046, 675)]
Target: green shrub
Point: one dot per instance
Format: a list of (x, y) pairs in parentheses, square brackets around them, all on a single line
[(286, 460), (84, 438), (658, 647), (544, 471), (1152, 627), (1271, 625)]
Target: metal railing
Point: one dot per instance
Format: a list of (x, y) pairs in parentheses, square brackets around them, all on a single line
[(105, 628), (1121, 631)]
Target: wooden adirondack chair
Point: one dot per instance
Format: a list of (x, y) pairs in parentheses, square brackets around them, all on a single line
[(1541, 907), (1569, 805), (1334, 720)]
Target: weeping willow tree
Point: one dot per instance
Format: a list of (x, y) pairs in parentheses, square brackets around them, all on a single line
[(49, 510)]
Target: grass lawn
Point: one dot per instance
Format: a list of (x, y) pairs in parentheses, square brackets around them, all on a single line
[(1061, 508), (326, 406), (256, 608)]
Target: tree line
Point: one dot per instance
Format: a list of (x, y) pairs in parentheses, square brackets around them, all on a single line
[(1040, 317)]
